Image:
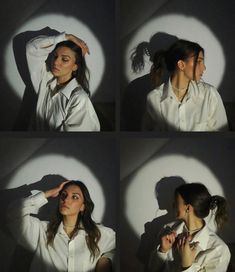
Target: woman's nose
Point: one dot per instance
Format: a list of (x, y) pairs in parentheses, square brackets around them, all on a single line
[(56, 62)]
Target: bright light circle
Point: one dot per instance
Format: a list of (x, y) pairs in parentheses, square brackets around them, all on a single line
[(141, 203), (95, 61), (69, 168), (184, 27)]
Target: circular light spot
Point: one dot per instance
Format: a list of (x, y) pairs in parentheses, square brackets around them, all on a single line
[(69, 168), (95, 61), (141, 203), (184, 27)]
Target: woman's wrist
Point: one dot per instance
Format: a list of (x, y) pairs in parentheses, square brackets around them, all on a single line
[(162, 250), (47, 194), (184, 267)]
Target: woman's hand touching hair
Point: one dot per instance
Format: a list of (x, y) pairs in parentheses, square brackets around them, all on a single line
[(79, 42), (55, 191)]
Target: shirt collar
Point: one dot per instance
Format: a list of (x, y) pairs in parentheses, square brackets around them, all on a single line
[(62, 231), (202, 236), (168, 91), (67, 89)]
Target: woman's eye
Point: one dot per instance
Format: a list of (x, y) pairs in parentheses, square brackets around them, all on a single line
[(75, 197), (63, 196), (65, 60)]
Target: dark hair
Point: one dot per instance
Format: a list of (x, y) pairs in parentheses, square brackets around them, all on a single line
[(82, 73), (168, 59), (84, 220), (197, 195)]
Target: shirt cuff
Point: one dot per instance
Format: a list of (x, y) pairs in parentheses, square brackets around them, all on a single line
[(38, 199), (161, 255), (109, 255), (60, 38)]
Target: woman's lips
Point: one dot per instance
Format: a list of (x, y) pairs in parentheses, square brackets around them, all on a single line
[(55, 69), (64, 206)]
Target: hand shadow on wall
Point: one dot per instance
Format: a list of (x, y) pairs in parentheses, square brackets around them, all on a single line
[(134, 99), (164, 192), (28, 105), (21, 258)]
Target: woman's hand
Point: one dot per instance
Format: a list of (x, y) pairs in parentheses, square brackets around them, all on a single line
[(187, 251), (167, 242), (55, 191), (79, 42)]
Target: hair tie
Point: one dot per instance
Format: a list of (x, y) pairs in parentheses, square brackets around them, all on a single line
[(213, 202)]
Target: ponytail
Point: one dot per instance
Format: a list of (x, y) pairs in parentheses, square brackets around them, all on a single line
[(158, 68), (137, 57), (219, 204)]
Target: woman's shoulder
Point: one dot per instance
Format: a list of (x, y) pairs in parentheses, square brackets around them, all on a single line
[(204, 86), (157, 92), (215, 240), (105, 230), (79, 93)]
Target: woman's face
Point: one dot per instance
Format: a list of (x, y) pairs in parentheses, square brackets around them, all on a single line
[(199, 70), (71, 201), (63, 64), (180, 207)]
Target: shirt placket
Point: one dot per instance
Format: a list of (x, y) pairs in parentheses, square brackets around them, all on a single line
[(71, 257), (182, 116)]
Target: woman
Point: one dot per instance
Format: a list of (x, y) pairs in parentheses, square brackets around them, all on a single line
[(63, 97), (185, 102), (188, 244), (71, 241)]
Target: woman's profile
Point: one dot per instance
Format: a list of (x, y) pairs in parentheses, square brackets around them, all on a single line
[(188, 244), (61, 83), (71, 241), (185, 102)]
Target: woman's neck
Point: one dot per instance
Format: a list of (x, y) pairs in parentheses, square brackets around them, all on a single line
[(179, 82), (63, 80), (69, 221), (194, 224)]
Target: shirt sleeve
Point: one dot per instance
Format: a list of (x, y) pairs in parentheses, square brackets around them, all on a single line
[(152, 119), (81, 115), (159, 262), (217, 114), (37, 51), (215, 260), (24, 227), (147, 121), (108, 243)]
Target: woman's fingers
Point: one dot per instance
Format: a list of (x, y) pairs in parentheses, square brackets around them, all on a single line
[(82, 44), (63, 183)]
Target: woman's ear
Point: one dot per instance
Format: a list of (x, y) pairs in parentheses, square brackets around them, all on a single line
[(75, 67), (181, 65), (189, 208), (82, 208)]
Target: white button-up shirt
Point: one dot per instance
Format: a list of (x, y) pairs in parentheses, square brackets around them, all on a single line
[(201, 109), (66, 255), (68, 110), (212, 254)]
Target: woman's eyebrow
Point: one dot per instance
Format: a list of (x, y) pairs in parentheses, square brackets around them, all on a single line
[(75, 193), (66, 56)]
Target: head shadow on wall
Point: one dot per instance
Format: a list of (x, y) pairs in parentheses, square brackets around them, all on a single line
[(134, 98)]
